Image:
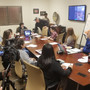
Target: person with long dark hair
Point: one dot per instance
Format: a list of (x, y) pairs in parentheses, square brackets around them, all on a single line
[(20, 45), (70, 37), (6, 35), (50, 67)]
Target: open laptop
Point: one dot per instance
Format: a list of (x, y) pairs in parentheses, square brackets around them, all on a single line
[(27, 33)]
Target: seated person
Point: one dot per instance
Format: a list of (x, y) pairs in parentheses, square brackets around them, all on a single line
[(21, 29), (11, 31), (23, 55), (86, 48), (70, 38), (6, 35), (12, 36), (53, 33), (51, 68), (40, 23), (0, 39)]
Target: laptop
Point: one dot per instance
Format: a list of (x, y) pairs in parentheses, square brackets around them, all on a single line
[(27, 33)]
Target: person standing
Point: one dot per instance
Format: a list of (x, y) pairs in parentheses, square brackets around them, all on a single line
[(46, 18), (40, 23)]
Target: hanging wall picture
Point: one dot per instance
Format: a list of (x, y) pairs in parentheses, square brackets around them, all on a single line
[(42, 13), (35, 11)]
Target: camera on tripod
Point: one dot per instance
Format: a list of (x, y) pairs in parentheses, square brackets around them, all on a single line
[(9, 54)]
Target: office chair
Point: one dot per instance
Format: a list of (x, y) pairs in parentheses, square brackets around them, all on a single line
[(35, 79), (19, 70), (45, 31), (60, 37)]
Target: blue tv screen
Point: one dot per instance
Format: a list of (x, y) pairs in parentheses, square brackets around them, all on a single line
[(77, 13)]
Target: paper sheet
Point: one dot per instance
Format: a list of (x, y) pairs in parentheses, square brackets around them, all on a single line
[(38, 36), (39, 51), (53, 43), (83, 59), (67, 64), (44, 38), (34, 34), (31, 45), (22, 37), (37, 56), (72, 51), (27, 42)]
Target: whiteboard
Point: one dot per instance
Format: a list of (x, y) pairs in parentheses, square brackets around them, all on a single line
[(87, 25)]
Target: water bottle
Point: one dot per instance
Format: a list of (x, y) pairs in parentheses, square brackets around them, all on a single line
[(89, 58), (30, 38)]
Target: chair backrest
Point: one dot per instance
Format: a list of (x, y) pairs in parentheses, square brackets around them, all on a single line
[(60, 38), (18, 69), (35, 79), (45, 31), (39, 31), (76, 41)]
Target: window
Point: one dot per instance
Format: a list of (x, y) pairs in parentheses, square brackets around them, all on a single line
[(10, 15)]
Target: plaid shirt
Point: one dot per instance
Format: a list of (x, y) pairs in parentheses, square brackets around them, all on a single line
[(54, 35)]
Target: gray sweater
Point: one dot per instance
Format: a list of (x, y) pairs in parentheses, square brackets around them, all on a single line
[(70, 41), (25, 56)]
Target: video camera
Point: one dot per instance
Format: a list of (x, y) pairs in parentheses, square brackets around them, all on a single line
[(9, 53)]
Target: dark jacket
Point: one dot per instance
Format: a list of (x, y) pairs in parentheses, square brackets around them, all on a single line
[(1, 76), (54, 72), (41, 24), (86, 48), (19, 29)]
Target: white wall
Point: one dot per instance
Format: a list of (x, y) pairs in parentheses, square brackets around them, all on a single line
[(27, 11), (61, 7)]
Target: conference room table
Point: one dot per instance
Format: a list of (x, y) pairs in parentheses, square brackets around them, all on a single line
[(82, 68)]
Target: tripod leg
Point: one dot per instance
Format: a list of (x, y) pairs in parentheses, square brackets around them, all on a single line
[(7, 86), (4, 86), (12, 84)]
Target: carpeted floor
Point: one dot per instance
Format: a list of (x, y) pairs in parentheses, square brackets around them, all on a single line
[(19, 84)]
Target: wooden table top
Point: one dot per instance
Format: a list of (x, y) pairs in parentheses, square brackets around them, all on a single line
[(73, 58)]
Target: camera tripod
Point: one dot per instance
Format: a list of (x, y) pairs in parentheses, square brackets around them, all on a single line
[(6, 81)]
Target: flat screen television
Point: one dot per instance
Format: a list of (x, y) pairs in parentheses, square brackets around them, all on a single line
[(77, 12)]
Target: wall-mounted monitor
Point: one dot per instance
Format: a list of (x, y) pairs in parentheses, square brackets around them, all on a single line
[(77, 12)]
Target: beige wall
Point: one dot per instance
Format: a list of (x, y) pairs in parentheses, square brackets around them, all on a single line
[(61, 7), (27, 11)]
